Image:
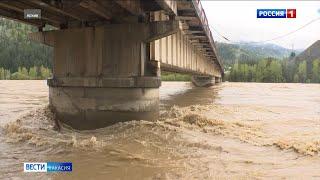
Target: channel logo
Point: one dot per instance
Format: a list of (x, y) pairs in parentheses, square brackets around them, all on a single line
[(47, 167), (32, 13), (276, 13)]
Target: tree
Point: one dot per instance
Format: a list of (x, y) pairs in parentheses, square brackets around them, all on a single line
[(33, 73), (292, 55), (261, 71), (302, 71), (23, 71), (45, 72), (316, 71), (296, 78), (16, 50), (275, 71)]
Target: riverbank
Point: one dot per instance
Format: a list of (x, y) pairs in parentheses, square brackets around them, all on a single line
[(168, 76)]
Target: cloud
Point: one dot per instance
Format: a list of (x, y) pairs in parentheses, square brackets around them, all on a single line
[(237, 20)]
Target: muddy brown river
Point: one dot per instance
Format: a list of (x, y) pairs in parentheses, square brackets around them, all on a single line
[(229, 131)]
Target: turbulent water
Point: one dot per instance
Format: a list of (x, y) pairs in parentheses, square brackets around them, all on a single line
[(229, 131)]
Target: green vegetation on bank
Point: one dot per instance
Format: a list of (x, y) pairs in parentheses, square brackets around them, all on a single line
[(41, 72), (250, 52), (275, 70), (16, 50), (169, 76), (23, 73), (249, 62), (21, 58)]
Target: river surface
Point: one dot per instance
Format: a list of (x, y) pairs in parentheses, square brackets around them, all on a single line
[(228, 131)]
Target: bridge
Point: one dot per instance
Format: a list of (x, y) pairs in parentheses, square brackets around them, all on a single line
[(108, 55)]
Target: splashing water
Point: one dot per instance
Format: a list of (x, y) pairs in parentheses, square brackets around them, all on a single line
[(232, 131)]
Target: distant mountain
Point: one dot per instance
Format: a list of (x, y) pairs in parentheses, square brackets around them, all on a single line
[(230, 53), (311, 53), (267, 50)]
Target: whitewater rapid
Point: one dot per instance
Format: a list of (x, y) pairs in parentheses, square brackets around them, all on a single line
[(229, 131)]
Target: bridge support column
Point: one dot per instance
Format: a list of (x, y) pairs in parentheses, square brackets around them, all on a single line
[(103, 75), (218, 79), (99, 102), (203, 81)]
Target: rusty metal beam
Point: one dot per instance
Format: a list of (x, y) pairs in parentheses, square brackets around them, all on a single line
[(53, 8), (168, 5), (46, 37), (96, 8), (185, 18), (160, 29), (19, 17), (177, 69), (134, 7), (17, 6)]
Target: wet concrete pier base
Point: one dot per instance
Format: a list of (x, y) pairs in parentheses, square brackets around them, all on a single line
[(203, 81), (91, 107), (218, 80)]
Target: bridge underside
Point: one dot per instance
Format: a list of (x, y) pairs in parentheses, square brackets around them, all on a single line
[(183, 52), (107, 60)]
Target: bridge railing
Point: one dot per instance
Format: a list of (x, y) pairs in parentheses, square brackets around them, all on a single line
[(203, 18)]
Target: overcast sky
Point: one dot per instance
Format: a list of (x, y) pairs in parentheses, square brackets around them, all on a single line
[(237, 20)]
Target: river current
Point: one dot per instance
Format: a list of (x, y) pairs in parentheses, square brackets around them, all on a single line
[(228, 131)]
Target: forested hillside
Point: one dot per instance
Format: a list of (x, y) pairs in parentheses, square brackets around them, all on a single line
[(246, 52), (311, 53), (247, 62), (17, 52)]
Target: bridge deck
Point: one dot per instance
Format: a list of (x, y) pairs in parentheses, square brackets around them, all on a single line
[(89, 13)]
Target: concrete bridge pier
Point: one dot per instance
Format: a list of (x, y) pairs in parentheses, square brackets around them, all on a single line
[(203, 81), (103, 75), (218, 79)]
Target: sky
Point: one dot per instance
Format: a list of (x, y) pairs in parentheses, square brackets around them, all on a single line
[(237, 21)]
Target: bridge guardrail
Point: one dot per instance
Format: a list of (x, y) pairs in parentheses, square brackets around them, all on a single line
[(203, 18)]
